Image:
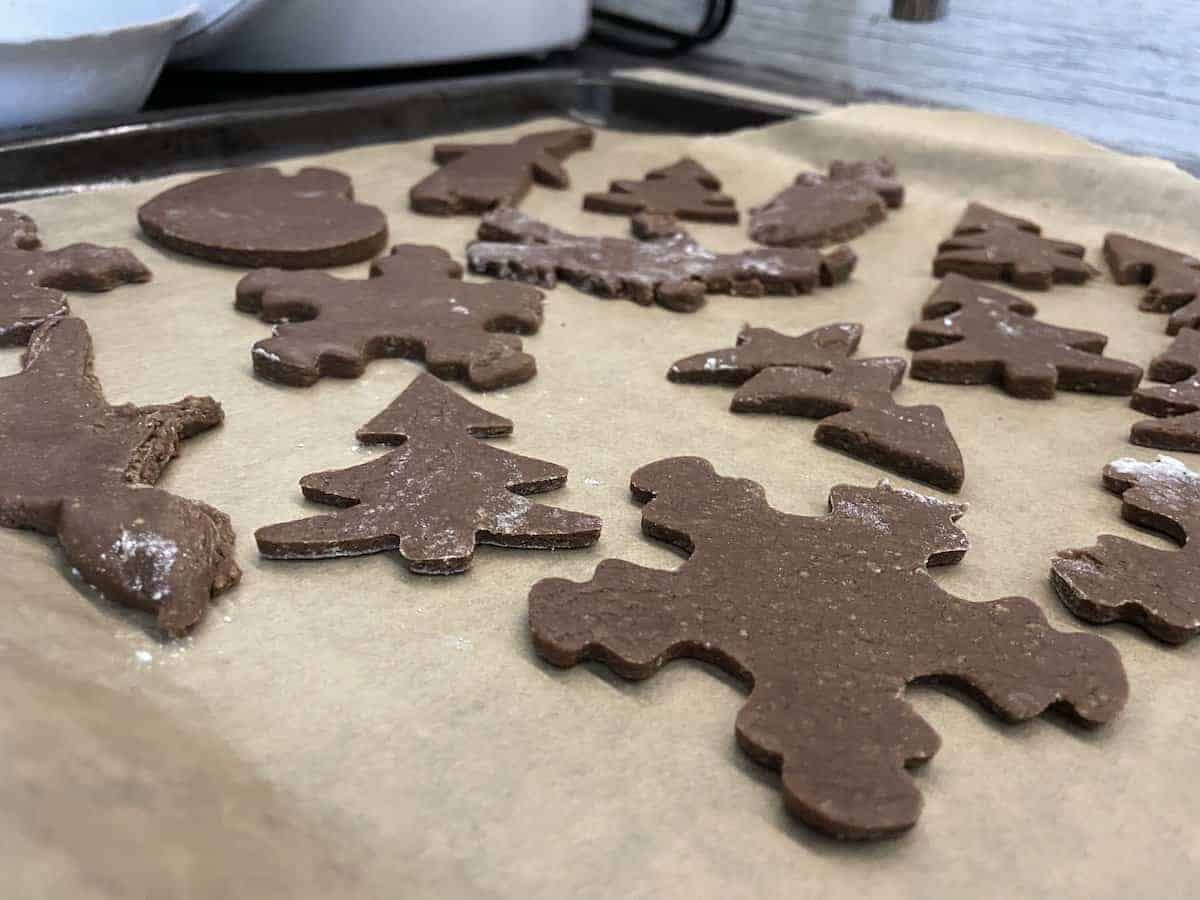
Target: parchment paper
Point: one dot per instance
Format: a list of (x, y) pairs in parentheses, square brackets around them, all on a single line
[(344, 729)]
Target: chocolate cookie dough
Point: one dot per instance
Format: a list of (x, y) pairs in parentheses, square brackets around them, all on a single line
[(18, 231), (76, 468), (1172, 278), (976, 334), (859, 417), (474, 178), (824, 209), (32, 280), (673, 271), (877, 174), (761, 348), (684, 190), (1176, 403), (810, 375), (994, 246), (434, 498), (261, 217), (415, 305), (1122, 580), (826, 620)]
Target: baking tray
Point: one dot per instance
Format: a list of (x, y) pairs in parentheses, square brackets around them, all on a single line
[(407, 731), (104, 152)]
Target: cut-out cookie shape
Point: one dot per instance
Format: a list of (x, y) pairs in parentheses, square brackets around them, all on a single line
[(827, 619), (1176, 403), (261, 217), (32, 280), (672, 271), (877, 174), (859, 417), (76, 468), (1172, 278), (1126, 581), (18, 231), (684, 190), (825, 209), (474, 178), (994, 246), (810, 375), (976, 334), (435, 497), (761, 348), (414, 305)]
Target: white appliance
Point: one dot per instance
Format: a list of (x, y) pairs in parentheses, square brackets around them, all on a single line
[(329, 35)]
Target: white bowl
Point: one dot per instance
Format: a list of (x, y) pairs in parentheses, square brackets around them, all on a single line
[(211, 26), (68, 59)]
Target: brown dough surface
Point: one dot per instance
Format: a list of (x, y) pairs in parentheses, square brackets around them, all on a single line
[(673, 271), (809, 375), (1122, 580), (18, 231), (683, 190), (436, 496), (877, 174), (414, 305), (32, 280), (261, 217), (1172, 278), (474, 178), (1176, 403), (761, 348), (976, 334), (825, 209), (858, 416), (76, 468), (826, 620), (995, 246)]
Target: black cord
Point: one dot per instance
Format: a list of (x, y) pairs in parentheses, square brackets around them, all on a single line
[(638, 36)]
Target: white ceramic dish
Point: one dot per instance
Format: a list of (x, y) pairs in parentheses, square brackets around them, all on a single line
[(208, 29), (329, 35), (68, 59)]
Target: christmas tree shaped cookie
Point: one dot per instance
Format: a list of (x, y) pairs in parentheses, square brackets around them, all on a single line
[(1176, 402), (436, 496), (994, 246), (684, 190), (975, 334), (1172, 278)]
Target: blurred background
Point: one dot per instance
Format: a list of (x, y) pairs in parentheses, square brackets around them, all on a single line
[(1121, 72)]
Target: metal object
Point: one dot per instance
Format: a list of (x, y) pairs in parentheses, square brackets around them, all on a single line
[(919, 10), (52, 161)]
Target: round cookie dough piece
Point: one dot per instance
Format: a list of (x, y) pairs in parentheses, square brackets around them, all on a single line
[(261, 217)]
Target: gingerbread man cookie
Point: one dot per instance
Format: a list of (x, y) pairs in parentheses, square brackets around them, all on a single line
[(414, 305)]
